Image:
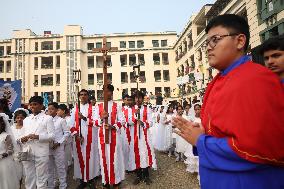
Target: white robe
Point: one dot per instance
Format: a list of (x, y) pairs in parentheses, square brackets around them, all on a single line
[(85, 168), (168, 132), (111, 155), (141, 151), (181, 144), (160, 135)]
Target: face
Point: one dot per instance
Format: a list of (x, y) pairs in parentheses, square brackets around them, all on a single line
[(171, 109), (180, 111), (222, 49), (138, 100), (274, 60), (84, 97), (197, 111), (125, 101), (146, 99), (162, 109), (35, 107), (52, 111), (19, 119), (60, 112), (187, 108)]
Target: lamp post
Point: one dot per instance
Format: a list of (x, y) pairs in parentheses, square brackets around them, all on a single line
[(77, 80), (136, 74)]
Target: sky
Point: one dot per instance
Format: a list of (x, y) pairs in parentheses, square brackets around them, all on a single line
[(97, 17)]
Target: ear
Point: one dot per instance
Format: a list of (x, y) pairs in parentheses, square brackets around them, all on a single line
[(241, 41)]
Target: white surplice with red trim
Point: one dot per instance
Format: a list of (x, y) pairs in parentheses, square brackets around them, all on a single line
[(86, 155), (111, 155), (125, 134), (141, 151)]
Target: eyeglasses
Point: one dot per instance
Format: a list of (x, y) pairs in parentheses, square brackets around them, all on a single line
[(213, 41)]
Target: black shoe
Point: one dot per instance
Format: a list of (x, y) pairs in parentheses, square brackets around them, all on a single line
[(148, 181), (82, 185), (136, 181), (92, 184), (106, 186)]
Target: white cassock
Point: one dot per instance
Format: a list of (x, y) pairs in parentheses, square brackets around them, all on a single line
[(168, 132), (36, 169), (68, 146), (125, 134), (160, 143), (57, 156), (141, 152), (86, 155), (181, 144), (111, 155)]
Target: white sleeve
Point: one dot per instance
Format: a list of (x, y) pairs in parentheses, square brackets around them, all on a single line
[(49, 136)]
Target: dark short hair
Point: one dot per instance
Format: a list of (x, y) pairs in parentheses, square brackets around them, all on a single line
[(274, 43), (37, 99), (139, 94), (85, 91), (110, 87), (235, 23), (64, 108), (197, 105), (179, 106), (54, 104), (20, 112), (125, 96)]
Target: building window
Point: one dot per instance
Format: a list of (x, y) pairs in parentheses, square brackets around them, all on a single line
[(1, 66), (99, 78), (8, 79), (108, 60), (167, 91), (8, 66), (124, 77), (36, 63), (36, 46), (109, 77), (132, 78), (155, 43), (132, 59), (47, 62), (91, 62), (141, 59), (57, 96), (57, 45), (57, 62), (100, 95), (140, 44), (108, 44), (123, 60), (8, 50), (90, 46), (164, 43), (142, 77), (47, 80), (124, 92), (131, 44), (91, 79), (122, 44), (166, 75), (1, 50), (157, 75), (158, 90), (47, 45), (156, 58), (143, 90), (36, 93), (133, 90), (165, 58), (57, 79), (99, 45)]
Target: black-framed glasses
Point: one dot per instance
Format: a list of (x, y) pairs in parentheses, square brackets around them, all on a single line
[(213, 41)]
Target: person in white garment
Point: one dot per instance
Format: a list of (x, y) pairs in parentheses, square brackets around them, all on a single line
[(39, 132), (57, 153), (85, 144), (181, 144), (63, 112), (141, 151), (188, 112), (160, 143), (8, 171), (111, 153), (17, 129), (169, 130)]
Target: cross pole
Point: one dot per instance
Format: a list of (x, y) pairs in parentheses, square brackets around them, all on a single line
[(105, 50)]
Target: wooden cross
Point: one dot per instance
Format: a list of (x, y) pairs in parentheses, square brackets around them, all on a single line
[(105, 50)]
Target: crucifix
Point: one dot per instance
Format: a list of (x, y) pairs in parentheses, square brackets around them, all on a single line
[(105, 50)]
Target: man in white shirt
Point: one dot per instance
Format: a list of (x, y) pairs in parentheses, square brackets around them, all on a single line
[(39, 132), (57, 153)]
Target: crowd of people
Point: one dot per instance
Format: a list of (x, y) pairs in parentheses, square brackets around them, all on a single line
[(232, 140)]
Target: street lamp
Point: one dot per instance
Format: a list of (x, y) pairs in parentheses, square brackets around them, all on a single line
[(76, 79), (136, 73)]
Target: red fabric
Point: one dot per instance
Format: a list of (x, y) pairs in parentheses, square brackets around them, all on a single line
[(89, 140), (78, 145), (136, 141), (146, 135), (127, 129), (247, 107)]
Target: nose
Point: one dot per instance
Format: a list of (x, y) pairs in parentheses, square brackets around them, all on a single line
[(269, 61)]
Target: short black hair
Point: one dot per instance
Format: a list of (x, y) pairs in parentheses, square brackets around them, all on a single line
[(233, 22), (37, 99), (20, 112), (64, 108), (54, 104), (125, 96), (179, 106), (139, 94), (197, 105), (110, 87), (85, 91), (274, 43)]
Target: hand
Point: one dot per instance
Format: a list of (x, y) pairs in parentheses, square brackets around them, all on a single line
[(4, 155), (82, 117), (188, 130), (104, 115), (33, 137), (24, 139), (141, 123), (79, 138), (55, 145), (137, 111), (168, 122), (106, 126)]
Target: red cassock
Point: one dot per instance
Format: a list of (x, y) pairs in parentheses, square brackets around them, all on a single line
[(247, 107)]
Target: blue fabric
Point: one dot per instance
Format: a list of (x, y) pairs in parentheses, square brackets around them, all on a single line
[(221, 168), (282, 80), (234, 65)]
